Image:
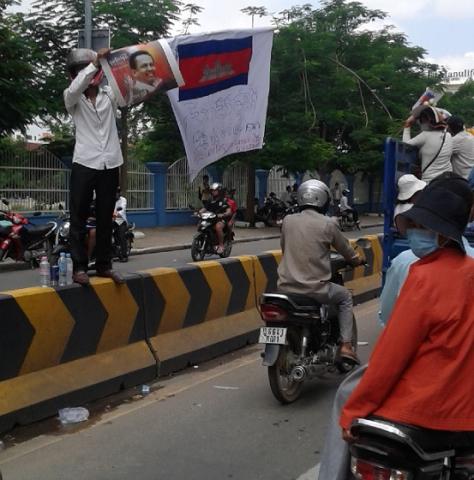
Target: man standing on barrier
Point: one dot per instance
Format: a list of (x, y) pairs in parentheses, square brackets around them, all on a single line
[(96, 161)]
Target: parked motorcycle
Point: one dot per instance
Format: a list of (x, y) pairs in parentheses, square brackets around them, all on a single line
[(272, 212), (346, 221), (388, 450), (301, 337), (23, 241), (205, 240)]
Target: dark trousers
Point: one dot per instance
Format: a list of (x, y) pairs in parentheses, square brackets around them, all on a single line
[(84, 181)]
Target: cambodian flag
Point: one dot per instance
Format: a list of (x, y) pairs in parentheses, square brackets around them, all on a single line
[(214, 65)]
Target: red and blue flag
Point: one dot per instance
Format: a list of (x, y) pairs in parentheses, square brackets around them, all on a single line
[(214, 65)]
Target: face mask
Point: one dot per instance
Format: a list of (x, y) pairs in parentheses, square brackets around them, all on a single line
[(422, 242)]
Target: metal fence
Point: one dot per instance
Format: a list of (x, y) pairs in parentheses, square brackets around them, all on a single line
[(181, 193), (140, 191), (39, 181), (278, 181), (34, 181)]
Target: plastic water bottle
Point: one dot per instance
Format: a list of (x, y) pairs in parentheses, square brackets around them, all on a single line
[(45, 274), (69, 269), (62, 269)]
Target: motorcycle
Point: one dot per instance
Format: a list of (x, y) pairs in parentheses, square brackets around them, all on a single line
[(205, 240), (346, 221), (129, 237), (388, 450), (62, 243), (23, 241), (272, 212), (301, 337)]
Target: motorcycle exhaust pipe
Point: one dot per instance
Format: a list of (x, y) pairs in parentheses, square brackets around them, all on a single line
[(298, 373)]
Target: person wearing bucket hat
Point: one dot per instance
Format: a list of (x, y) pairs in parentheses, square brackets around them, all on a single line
[(434, 142), (335, 457), (442, 211), (431, 330)]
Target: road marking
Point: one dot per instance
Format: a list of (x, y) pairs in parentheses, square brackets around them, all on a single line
[(311, 474)]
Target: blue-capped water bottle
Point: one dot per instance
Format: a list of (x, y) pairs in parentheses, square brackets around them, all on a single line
[(62, 264)]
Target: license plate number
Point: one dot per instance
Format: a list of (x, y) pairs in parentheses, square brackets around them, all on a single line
[(272, 335)]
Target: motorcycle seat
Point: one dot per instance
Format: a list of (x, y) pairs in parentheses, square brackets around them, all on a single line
[(302, 302), (37, 230), (428, 444)]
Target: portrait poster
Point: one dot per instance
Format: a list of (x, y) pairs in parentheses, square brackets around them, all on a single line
[(138, 72)]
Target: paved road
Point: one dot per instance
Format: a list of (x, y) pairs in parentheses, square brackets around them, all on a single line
[(216, 422), (21, 277)]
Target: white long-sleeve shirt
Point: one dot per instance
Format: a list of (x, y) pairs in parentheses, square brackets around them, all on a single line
[(97, 142), (463, 154), (429, 143)]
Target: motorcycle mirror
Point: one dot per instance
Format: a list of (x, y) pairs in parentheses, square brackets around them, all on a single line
[(363, 243)]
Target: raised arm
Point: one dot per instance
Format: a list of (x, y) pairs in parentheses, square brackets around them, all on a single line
[(78, 86)]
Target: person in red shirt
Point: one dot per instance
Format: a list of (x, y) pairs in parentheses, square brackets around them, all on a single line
[(229, 197), (420, 372)]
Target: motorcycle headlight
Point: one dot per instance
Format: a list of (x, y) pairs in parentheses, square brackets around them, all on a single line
[(64, 229)]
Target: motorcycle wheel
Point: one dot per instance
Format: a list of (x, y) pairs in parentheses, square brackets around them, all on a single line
[(346, 367), (227, 249), (283, 387), (129, 246), (198, 247)]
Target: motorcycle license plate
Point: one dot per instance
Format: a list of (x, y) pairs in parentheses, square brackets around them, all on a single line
[(272, 335)]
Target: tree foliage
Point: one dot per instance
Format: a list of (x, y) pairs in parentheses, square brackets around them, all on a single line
[(461, 103), (54, 26), (19, 99), (338, 88)]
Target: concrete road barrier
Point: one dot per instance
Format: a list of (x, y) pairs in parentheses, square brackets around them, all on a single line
[(66, 346)]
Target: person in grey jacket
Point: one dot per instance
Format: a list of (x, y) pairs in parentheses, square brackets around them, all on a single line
[(305, 269)]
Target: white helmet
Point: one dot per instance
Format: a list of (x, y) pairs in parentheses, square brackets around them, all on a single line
[(314, 193)]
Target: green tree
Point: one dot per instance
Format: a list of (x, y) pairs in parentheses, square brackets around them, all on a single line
[(337, 89), (19, 98), (130, 23), (461, 103), (255, 12)]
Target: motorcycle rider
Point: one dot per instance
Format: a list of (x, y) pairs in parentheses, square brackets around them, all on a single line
[(306, 240), (346, 209), (218, 205), (121, 224)]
